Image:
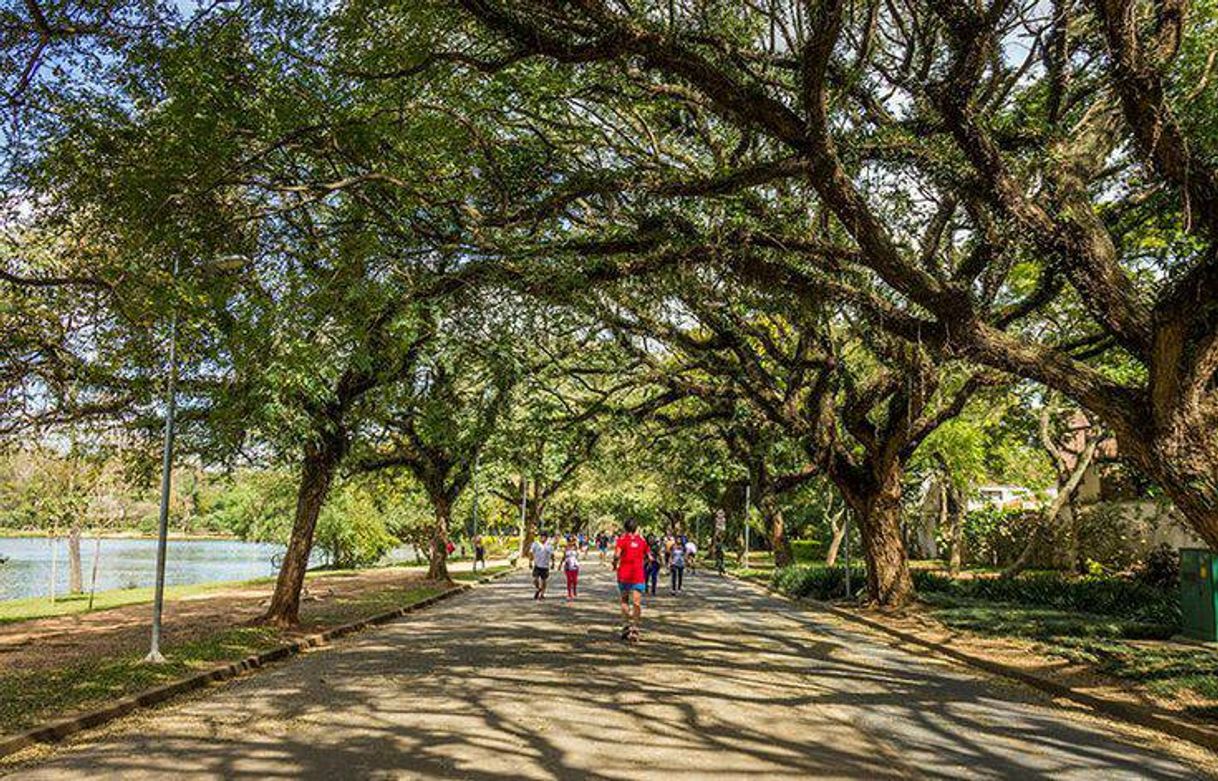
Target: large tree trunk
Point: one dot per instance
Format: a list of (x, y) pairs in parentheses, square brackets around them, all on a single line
[(75, 579), (438, 569), (1193, 491), (879, 512), (316, 475), (771, 510), (532, 525)]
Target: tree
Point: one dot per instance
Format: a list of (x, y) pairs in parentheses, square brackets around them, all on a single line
[(859, 403), (975, 186), (437, 424)]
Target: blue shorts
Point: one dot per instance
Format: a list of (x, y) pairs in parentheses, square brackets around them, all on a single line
[(626, 588)]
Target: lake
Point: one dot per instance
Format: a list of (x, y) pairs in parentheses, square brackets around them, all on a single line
[(132, 563), (129, 563)]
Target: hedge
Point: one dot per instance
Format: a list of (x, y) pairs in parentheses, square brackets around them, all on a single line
[(806, 551), (1122, 598), (1100, 595), (818, 582)]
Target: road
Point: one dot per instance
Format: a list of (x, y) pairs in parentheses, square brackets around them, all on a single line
[(728, 683)]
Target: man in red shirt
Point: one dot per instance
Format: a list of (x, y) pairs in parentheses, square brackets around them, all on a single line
[(628, 557)]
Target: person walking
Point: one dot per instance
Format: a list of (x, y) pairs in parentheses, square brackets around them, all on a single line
[(570, 568), (676, 567), (691, 555), (479, 553), (651, 568), (629, 556), (541, 553)]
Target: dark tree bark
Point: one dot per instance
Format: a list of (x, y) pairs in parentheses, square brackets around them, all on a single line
[(317, 471), (876, 501), (771, 511), (438, 567)]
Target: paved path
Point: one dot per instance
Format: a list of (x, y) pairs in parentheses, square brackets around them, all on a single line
[(728, 684)]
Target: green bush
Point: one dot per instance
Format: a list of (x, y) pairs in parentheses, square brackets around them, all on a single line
[(1101, 595), (818, 582), (806, 551), (351, 530), (499, 547)]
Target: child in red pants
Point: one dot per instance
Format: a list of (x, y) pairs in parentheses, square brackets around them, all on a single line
[(570, 567)]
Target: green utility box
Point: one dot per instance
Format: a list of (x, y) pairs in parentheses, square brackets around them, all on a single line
[(1198, 597)]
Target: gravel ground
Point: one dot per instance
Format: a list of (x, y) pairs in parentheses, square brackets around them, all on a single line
[(728, 683)]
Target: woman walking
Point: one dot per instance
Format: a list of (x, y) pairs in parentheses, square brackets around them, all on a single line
[(676, 565), (570, 567)]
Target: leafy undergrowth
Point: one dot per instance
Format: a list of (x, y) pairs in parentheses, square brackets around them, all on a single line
[(31, 698), (28, 609)]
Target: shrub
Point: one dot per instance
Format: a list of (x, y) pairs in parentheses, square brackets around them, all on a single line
[(818, 582), (1161, 568), (994, 536), (1104, 595), (806, 551)]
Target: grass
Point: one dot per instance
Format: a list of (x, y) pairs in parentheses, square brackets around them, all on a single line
[(1039, 623), (1165, 669), (14, 610), (32, 697), (1112, 646), (470, 577), (755, 574)]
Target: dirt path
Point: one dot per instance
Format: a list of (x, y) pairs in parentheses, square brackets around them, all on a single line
[(728, 684), (50, 643)]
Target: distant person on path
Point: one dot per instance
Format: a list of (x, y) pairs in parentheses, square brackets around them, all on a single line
[(570, 568), (676, 566), (691, 554), (479, 553), (541, 553), (651, 568), (629, 557)]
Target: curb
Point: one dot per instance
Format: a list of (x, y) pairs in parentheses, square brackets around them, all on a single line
[(1170, 725), (55, 731)]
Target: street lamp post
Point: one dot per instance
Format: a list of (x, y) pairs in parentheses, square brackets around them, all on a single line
[(846, 540), (225, 263), (158, 602), (474, 510), (747, 502)]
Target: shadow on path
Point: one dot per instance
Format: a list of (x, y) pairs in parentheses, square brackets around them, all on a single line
[(728, 683)]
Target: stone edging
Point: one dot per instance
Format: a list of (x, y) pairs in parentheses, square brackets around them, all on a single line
[(56, 731), (1150, 718)]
